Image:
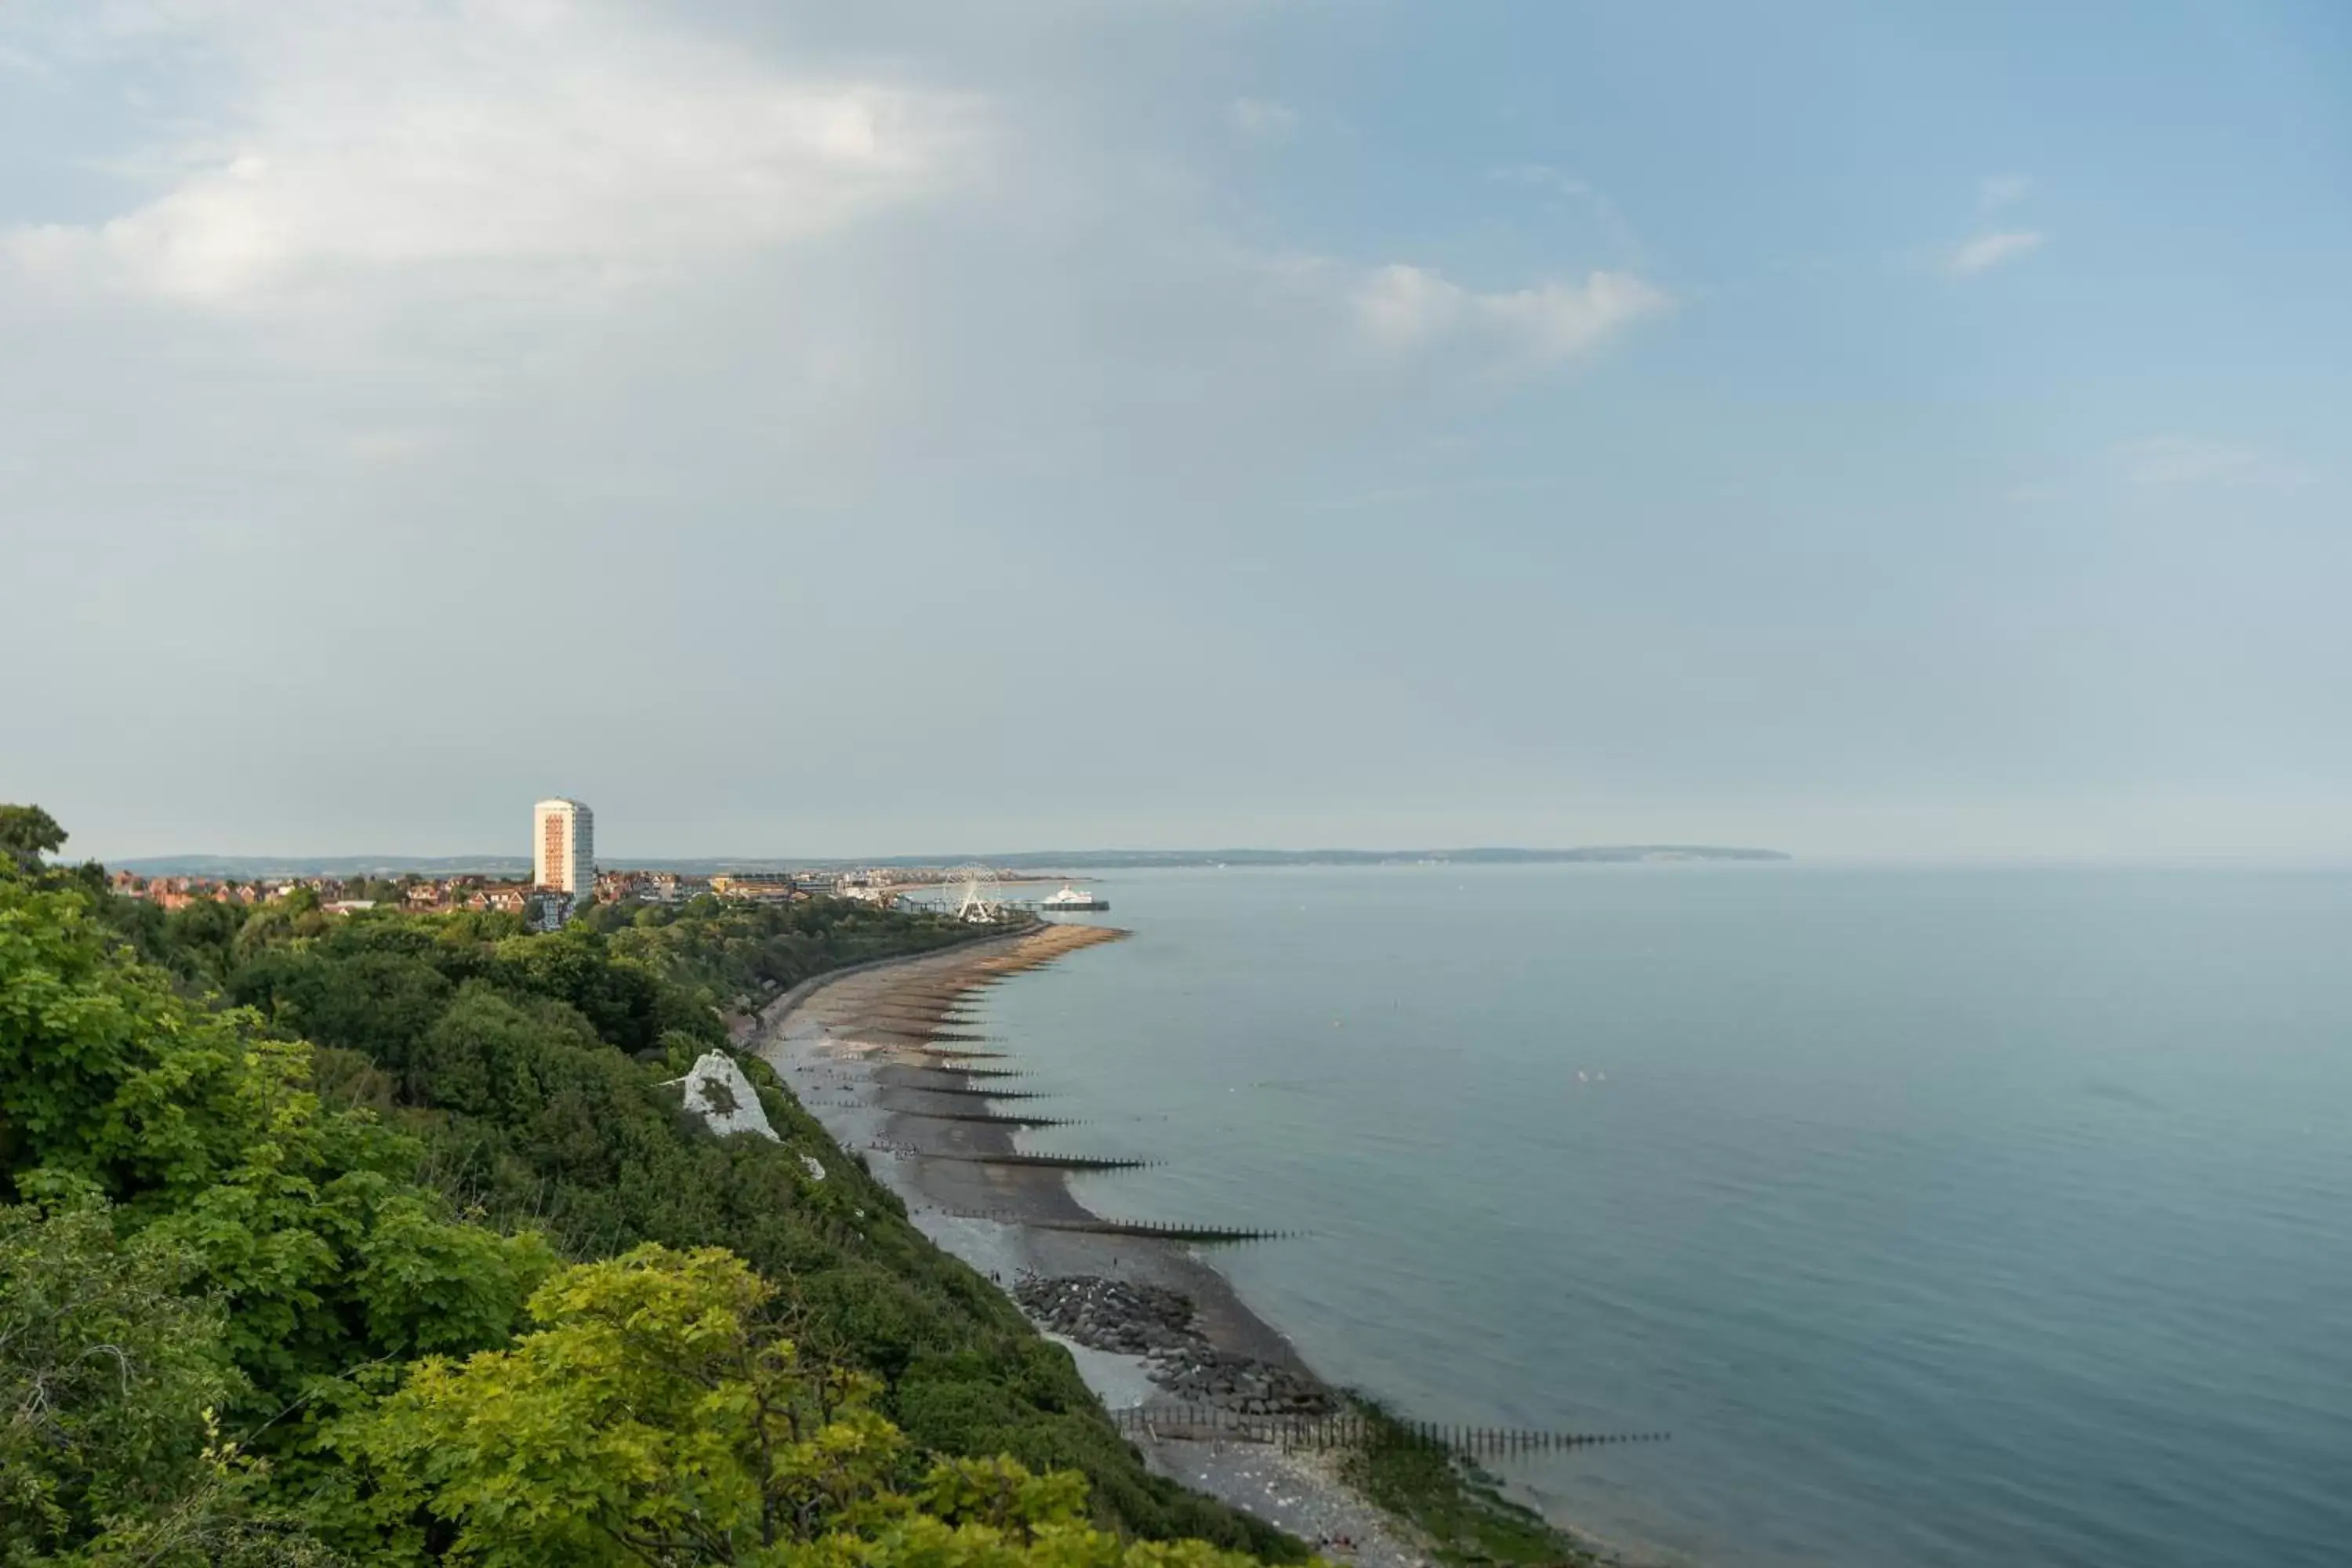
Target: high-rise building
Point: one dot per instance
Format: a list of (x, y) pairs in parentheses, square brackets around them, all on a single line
[(563, 846)]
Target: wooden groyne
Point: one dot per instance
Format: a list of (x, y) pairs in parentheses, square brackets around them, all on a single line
[(994, 1119), (1152, 1229), (969, 1090), (1048, 1161), (1351, 1430)]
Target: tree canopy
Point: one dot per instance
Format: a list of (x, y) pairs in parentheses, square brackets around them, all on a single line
[(382, 1236), (27, 833), (661, 1413)]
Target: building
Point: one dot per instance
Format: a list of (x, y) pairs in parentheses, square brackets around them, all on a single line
[(563, 847), (506, 897), (755, 890)]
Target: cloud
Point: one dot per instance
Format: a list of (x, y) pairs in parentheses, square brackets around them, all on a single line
[(500, 133), (1997, 191), (2175, 462), (1596, 202), (1987, 251), (1263, 119), (553, 258), (1540, 176), (2157, 465), (1407, 308)]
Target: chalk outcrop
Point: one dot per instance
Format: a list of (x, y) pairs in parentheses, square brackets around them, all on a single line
[(715, 1088)]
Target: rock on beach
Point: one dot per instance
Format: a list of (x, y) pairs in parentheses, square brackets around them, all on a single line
[(1156, 1323)]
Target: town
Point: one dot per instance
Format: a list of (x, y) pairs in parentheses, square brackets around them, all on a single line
[(564, 879)]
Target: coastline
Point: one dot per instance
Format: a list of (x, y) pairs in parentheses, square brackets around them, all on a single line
[(888, 1057), (863, 1051), (860, 1048)]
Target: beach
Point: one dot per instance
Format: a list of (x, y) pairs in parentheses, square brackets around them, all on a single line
[(890, 1058)]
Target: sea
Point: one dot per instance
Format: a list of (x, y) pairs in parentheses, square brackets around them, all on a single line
[(1939, 1217)]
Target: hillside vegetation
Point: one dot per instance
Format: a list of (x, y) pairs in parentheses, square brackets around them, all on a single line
[(379, 1238)]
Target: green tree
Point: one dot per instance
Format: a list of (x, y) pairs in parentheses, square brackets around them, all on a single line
[(27, 833), (663, 1416), (198, 937), (111, 1452), (450, 1063), (106, 1370), (306, 1221)]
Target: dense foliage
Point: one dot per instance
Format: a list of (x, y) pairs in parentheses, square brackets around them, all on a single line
[(660, 1414), (723, 952), (106, 1366), (269, 1164)]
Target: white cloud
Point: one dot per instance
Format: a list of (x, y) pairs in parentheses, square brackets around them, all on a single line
[(1987, 251), (1997, 191), (2172, 462), (1542, 176), (502, 132), (384, 242), (1582, 193), (1262, 118), (1404, 308), (2164, 464)]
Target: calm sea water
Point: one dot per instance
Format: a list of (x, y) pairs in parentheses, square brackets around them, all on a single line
[(1943, 1218)]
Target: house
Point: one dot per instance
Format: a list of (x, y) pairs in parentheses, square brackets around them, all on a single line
[(753, 890)]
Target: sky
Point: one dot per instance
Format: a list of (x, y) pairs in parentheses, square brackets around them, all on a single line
[(1867, 430)]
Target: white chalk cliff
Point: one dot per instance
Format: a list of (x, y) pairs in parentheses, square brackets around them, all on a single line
[(716, 1090)]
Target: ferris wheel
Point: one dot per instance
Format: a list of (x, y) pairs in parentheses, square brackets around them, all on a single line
[(974, 891)]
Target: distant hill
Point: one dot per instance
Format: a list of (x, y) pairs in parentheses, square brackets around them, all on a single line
[(1130, 859), (243, 868)]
